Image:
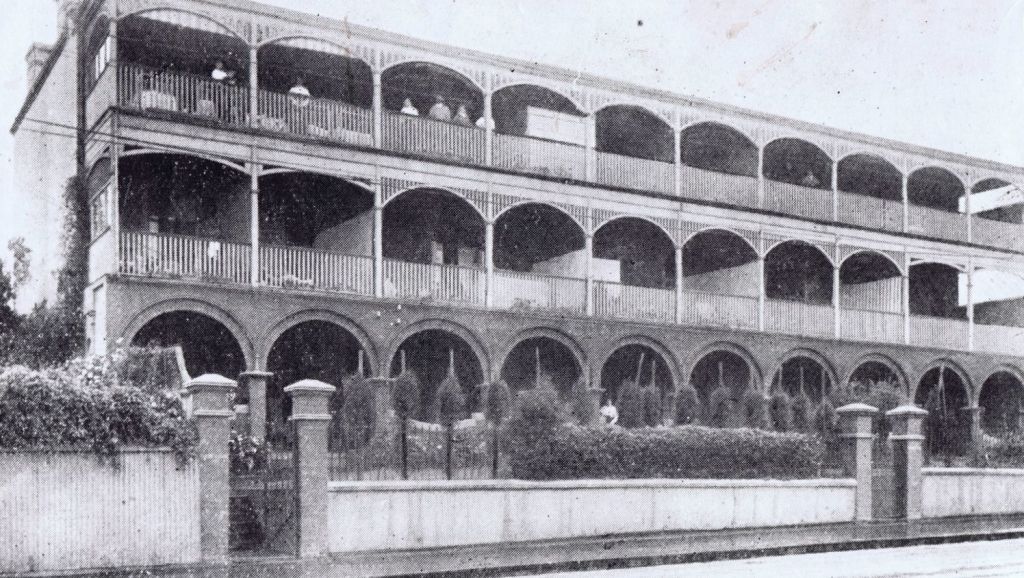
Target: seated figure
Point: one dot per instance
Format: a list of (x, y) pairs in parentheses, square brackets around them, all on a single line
[(409, 109), (462, 116), (440, 110)]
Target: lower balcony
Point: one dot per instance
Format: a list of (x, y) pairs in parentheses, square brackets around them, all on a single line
[(809, 202)]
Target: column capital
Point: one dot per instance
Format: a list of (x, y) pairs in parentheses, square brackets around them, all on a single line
[(211, 395), (857, 409), (310, 399)]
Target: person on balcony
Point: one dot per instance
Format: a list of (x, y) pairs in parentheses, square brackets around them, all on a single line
[(809, 180), (440, 110), (462, 116), (409, 109), (484, 122)]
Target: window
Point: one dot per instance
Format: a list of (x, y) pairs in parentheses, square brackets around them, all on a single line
[(100, 211), (102, 58)]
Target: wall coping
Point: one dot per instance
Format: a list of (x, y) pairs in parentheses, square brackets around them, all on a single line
[(523, 485), (84, 452), (973, 472)]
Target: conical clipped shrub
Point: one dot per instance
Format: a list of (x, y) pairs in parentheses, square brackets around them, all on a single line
[(652, 405), (359, 411), (826, 425), (689, 407), (781, 411), (802, 406), (406, 396), (497, 402), (630, 405), (720, 408), (449, 401), (755, 410), (581, 408)]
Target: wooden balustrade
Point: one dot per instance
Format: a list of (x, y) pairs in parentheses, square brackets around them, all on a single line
[(312, 269), (938, 332), (635, 173), (540, 156), (146, 88), (447, 283), (632, 302), (937, 223), (876, 326), (870, 212), (999, 339), (717, 310), (809, 202), (433, 138), (515, 290), (718, 187), (181, 257), (315, 117), (798, 318), (997, 233)]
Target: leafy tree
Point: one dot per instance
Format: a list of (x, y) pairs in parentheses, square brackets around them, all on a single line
[(22, 255), (755, 410), (497, 406), (9, 319), (781, 411)]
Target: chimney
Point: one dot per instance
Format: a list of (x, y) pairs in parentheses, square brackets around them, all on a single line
[(36, 58), (67, 12)]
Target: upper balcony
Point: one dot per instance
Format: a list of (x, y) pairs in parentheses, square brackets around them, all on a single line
[(183, 65)]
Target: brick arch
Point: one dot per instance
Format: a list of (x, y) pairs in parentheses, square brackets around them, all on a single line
[(533, 332), (972, 391), (885, 360), (467, 335), (646, 341), (756, 374), (353, 328), (813, 355), (236, 329), (1013, 370)]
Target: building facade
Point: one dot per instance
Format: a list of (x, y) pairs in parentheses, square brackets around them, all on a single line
[(287, 194)]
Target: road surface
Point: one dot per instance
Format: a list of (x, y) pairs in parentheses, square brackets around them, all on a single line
[(967, 560)]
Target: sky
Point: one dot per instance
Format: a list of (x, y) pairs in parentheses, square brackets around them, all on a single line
[(947, 74)]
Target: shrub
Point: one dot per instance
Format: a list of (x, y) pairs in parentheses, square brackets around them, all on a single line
[(826, 426), (536, 415), (1005, 451), (720, 408), (497, 402), (580, 407), (450, 402), (802, 407), (574, 452), (406, 395), (755, 410), (652, 405), (781, 411), (359, 414), (689, 409), (630, 404)]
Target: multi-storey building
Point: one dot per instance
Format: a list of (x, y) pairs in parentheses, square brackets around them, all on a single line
[(292, 195)]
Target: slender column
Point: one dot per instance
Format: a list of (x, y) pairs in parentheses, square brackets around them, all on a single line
[(591, 153), (760, 177), (906, 204), (488, 130), (905, 286), (970, 306), (967, 214), (589, 248), (836, 298), (378, 106), (679, 284), (855, 424), (760, 282), (254, 86), (835, 191), (378, 242), (209, 397), (254, 222), (907, 459), (256, 384), (489, 264), (678, 159), (115, 197), (311, 416), (973, 415)]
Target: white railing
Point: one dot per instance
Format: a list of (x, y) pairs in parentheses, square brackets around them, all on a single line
[(514, 290), (999, 339), (997, 233), (303, 268), (315, 117), (147, 88), (545, 157), (180, 257), (797, 318), (448, 283), (718, 187), (433, 138), (875, 326), (937, 223), (940, 332), (870, 212), (798, 200), (711, 309), (632, 302), (635, 173)]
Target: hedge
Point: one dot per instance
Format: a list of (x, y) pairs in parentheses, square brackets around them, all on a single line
[(574, 452)]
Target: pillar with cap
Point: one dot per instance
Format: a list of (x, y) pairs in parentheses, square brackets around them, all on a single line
[(210, 401), (907, 458), (855, 422), (311, 416), (255, 383)]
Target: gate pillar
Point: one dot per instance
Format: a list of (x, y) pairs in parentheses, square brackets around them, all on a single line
[(855, 422), (907, 440), (311, 416)]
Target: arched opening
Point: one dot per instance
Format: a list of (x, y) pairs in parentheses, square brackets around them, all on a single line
[(798, 271), (183, 195), (540, 239), (992, 199), (935, 291), (716, 147), (634, 270), (870, 176), (876, 374), (871, 297), (180, 62), (636, 363), (935, 188), (432, 354), (802, 375), (947, 428), (633, 131), (721, 369), (721, 280), (426, 85), (207, 345), (1002, 404), (317, 350), (541, 361), (797, 162), (539, 131)]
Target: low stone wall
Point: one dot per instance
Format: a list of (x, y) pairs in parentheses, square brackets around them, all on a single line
[(971, 491), (406, 515), (66, 511)]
